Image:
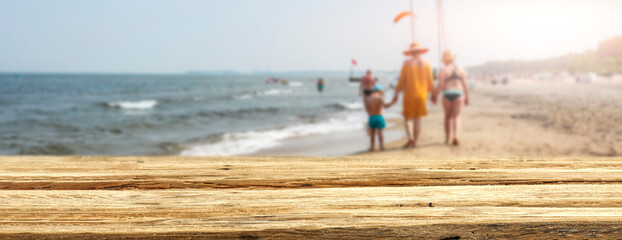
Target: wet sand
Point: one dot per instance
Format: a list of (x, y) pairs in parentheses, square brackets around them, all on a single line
[(537, 161)]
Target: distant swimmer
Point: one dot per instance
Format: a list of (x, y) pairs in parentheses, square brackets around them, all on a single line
[(453, 85), (367, 84), (320, 85), (272, 80), (415, 82), (373, 105)]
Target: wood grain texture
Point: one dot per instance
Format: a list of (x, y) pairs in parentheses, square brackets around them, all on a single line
[(322, 198)]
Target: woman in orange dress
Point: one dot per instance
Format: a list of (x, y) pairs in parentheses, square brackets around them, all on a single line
[(416, 81)]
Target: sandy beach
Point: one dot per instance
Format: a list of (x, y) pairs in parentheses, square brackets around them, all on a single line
[(506, 180), (527, 119)]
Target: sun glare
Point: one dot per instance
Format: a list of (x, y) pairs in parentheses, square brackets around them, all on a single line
[(527, 29), (547, 27)]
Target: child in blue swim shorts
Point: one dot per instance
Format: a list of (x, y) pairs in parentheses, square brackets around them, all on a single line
[(373, 106)]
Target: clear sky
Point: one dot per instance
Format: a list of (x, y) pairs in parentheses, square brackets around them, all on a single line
[(168, 36)]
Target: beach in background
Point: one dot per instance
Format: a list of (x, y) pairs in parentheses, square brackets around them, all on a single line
[(197, 115), (528, 118)]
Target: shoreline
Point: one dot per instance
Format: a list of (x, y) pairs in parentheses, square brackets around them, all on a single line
[(339, 143), (527, 118), (336, 144)]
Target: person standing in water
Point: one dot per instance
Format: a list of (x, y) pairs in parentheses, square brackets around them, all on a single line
[(320, 85), (452, 83), (367, 84), (415, 82)]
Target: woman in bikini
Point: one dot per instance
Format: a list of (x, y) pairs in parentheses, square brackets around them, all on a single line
[(452, 83)]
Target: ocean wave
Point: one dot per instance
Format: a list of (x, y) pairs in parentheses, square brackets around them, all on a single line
[(243, 96), (252, 141), (137, 105), (269, 92), (238, 113), (30, 123), (348, 106), (296, 84), (55, 149)]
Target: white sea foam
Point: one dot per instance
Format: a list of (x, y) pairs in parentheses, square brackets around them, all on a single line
[(249, 142), (270, 92), (296, 84), (138, 105), (273, 92), (352, 105), (243, 96)]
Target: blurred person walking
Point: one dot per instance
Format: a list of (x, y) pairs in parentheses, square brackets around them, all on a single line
[(452, 83), (415, 82), (367, 84)]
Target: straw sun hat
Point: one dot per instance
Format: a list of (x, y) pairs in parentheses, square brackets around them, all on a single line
[(415, 47), (448, 56)]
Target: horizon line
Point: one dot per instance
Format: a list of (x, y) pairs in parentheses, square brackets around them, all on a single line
[(190, 72)]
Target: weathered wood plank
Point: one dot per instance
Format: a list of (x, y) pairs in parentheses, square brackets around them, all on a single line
[(235, 210), (321, 198), (93, 173)]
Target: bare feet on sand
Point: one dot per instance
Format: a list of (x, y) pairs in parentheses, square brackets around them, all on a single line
[(372, 150), (456, 142), (409, 144)]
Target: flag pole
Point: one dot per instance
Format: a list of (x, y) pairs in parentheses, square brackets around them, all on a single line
[(412, 21), (439, 22), (351, 69)]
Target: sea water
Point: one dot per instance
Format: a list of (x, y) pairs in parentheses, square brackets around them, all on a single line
[(204, 115)]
